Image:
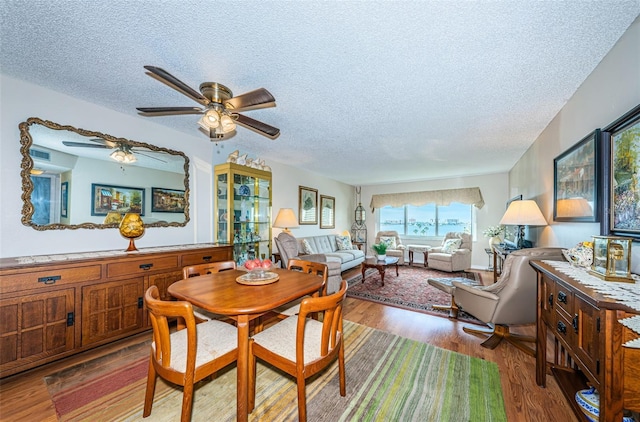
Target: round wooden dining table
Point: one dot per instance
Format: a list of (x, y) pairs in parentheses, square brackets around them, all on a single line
[(220, 293)]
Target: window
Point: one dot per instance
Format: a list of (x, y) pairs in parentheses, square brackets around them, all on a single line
[(427, 220)]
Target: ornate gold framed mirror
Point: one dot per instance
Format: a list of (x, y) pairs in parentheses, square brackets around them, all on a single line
[(75, 178)]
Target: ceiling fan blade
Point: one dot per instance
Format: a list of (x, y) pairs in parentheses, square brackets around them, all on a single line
[(260, 98), (80, 144), (257, 126), (177, 84), (150, 156), (163, 111)]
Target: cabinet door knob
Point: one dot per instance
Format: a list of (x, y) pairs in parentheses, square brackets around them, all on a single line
[(551, 300), (562, 328), (562, 297), (575, 323)]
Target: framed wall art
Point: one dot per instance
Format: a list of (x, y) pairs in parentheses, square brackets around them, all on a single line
[(622, 190), (327, 212), (64, 199), (308, 205), (167, 200), (105, 198), (576, 175)]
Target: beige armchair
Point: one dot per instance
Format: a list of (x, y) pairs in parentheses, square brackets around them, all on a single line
[(453, 255), (509, 301), (396, 248)]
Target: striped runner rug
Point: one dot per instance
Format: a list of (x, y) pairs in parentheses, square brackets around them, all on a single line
[(389, 378)]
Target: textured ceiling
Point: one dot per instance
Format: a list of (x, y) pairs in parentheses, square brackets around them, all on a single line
[(367, 91)]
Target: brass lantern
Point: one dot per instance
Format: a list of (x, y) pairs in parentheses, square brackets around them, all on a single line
[(612, 258)]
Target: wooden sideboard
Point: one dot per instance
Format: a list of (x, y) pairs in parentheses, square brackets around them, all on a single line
[(583, 327), (56, 305)]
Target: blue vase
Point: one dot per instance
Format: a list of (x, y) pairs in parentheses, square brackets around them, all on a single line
[(589, 402)]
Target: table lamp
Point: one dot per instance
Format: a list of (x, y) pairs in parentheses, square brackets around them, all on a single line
[(523, 213), (285, 220)]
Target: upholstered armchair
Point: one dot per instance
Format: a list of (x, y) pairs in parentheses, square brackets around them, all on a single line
[(288, 246), (395, 248), (509, 301), (453, 255)]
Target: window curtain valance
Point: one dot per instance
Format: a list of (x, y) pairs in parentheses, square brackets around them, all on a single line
[(471, 196)]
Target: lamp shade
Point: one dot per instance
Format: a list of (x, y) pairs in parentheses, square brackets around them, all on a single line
[(286, 219), (523, 213)]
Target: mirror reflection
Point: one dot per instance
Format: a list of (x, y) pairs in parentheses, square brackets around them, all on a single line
[(75, 178)]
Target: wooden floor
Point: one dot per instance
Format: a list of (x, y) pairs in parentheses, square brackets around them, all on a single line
[(24, 397)]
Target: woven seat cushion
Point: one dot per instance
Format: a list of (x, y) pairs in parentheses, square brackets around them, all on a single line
[(215, 338), (281, 339)]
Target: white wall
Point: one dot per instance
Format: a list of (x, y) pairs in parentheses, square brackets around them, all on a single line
[(610, 91), (20, 100), (495, 192)]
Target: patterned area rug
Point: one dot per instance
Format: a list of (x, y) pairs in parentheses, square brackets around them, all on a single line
[(389, 378), (408, 290)]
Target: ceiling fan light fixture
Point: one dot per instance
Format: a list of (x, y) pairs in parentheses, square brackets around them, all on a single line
[(228, 125), (123, 156), (210, 120)]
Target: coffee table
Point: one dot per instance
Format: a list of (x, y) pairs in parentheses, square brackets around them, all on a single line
[(380, 265)]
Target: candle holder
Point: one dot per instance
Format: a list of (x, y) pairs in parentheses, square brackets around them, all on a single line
[(131, 227), (612, 258)]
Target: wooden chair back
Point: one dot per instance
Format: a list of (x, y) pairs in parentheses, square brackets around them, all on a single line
[(310, 267), (208, 268)]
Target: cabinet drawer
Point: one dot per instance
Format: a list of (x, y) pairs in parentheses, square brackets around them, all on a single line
[(38, 279), (141, 266), (563, 300), (563, 330), (205, 256)]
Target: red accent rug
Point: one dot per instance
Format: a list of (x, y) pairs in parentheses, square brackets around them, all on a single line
[(408, 290)]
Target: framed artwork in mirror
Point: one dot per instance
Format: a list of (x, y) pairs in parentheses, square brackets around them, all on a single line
[(167, 200), (327, 212), (622, 188), (64, 199), (576, 181), (308, 205), (122, 199)]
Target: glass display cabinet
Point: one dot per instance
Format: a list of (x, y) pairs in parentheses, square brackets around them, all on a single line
[(243, 210)]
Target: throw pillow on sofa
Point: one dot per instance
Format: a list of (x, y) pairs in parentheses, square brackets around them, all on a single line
[(344, 243), (390, 241), (306, 247), (450, 245)]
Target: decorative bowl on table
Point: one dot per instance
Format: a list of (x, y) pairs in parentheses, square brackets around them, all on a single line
[(581, 255), (259, 269)]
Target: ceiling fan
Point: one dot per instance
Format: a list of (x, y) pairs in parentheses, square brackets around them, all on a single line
[(219, 107), (123, 153)]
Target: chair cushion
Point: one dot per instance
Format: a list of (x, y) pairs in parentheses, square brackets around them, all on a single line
[(281, 339), (390, 241), (344, 243), (215, 338), (307, 248), (451, 245)]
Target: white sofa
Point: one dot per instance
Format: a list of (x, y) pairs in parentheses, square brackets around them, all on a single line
[(321, 245)]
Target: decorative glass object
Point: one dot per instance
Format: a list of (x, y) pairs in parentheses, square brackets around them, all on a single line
[(113, 217), (131, 227), (612, 258)]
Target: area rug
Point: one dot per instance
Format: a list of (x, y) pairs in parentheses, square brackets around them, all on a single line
[(388, 377), (408, 290)]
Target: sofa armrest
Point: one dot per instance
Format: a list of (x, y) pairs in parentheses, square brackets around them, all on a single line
[(316, 257)]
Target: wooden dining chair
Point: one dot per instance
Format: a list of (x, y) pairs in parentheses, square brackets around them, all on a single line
[(208, 268), (309, 267), (302, 346), (202, 269), (185, 356)]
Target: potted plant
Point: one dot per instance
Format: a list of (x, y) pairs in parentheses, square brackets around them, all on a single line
[(381, 250), (494, 234)]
